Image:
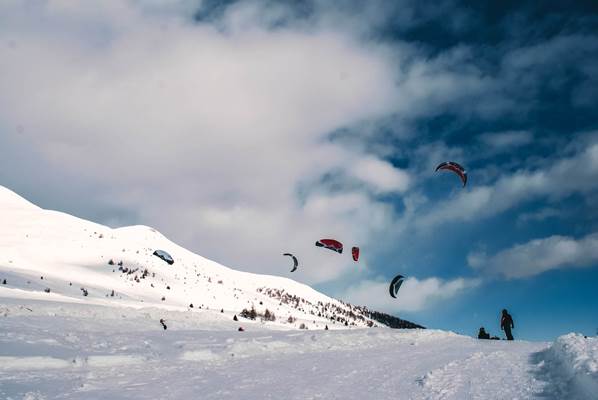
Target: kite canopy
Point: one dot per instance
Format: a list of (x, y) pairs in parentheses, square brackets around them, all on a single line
[(330, 244), (395, 285), (454, 167), (295, 262), (355, 253), (164, 256)]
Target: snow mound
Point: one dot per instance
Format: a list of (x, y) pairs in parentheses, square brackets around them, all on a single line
[(574, 360)]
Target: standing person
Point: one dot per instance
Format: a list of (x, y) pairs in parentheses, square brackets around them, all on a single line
[(506, 324)]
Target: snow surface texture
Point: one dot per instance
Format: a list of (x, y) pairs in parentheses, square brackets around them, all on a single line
[(53, 350), (78, 341)]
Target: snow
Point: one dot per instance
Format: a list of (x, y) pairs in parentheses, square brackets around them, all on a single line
[(65, 345), (43, 251), (571, 367)]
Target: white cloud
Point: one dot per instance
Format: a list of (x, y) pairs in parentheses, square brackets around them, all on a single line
[(575, 174), (502, 140), (414, 294), (381, 175), (538, 256), (540, 215), (206, 133)]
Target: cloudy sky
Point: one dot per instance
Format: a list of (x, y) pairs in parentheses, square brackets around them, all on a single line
[(245, 129)]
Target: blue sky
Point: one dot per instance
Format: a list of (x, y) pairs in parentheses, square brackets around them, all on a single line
[(245, 129)]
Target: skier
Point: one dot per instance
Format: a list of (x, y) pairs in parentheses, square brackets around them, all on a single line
[(163, 323), (506, 324)]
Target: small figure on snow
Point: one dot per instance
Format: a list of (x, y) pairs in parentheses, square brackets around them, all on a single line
[(482, 334), (241, 329), (163, 324), (506, 324)]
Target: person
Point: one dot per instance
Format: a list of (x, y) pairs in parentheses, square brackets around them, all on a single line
[(482, 334), (506, 324), (163, 324)]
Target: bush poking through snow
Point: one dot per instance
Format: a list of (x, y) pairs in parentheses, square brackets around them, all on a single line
[(248, 314), (269, 316)]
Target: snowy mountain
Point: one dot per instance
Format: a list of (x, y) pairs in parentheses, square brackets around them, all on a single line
[(48, 255)]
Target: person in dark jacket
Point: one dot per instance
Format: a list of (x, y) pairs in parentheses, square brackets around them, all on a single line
[(482, 334), (506, 324)]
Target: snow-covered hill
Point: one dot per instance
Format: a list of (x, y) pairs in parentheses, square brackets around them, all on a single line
[(53, 256)]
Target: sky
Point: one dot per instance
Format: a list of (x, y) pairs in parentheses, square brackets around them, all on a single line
[(246, 129)]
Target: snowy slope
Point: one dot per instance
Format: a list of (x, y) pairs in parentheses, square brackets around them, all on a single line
[(43, 250), (52, 350)]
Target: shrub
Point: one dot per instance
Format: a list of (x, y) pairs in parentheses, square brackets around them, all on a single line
[(248, 314), (302, 326), (269, 316)]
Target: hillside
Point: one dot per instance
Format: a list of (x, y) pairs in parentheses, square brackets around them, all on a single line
[(48, 255)]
